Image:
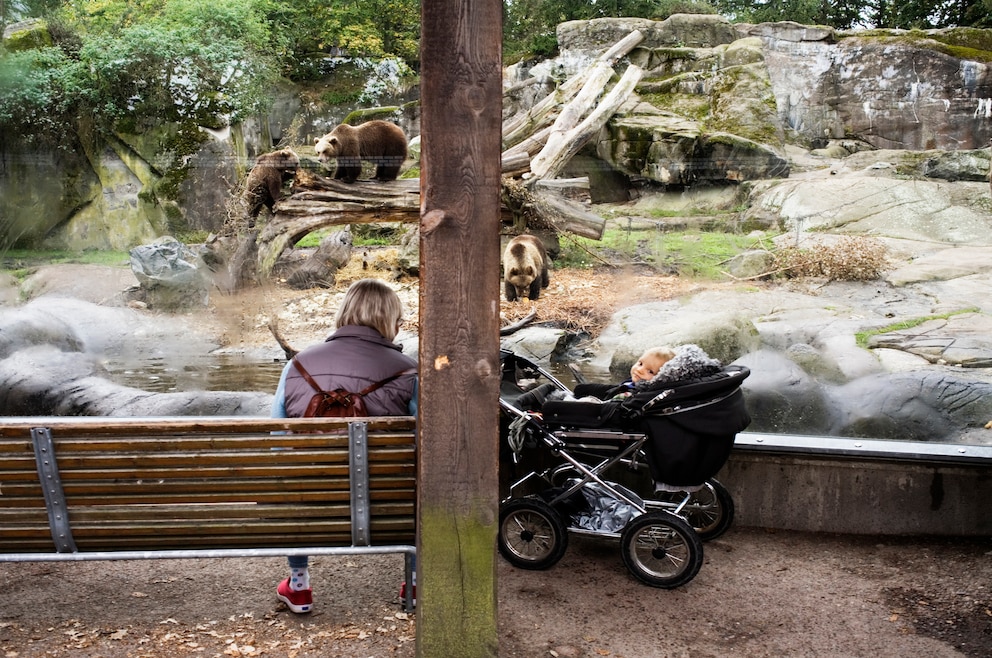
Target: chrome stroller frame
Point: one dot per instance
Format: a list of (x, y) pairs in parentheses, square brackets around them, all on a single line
[(661, 541)]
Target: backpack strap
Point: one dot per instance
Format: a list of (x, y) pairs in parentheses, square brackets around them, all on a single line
[(371, 387), (368, 389), (306, 375)]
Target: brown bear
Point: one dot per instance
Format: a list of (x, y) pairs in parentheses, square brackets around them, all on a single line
[(525, 268), (264, 184), (380, 142)]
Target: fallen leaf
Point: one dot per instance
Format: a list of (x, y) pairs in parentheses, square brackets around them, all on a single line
[(894, 617)]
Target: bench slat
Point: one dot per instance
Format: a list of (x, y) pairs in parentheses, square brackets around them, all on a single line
[(166, 484)]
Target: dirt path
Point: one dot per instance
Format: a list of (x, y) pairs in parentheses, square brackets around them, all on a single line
[(758, 594)]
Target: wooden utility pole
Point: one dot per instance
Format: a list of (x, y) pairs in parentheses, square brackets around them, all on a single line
[(461, 101)]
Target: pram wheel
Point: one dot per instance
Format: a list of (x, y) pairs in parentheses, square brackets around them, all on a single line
[(532, 535), (661, 549), (710, 511)]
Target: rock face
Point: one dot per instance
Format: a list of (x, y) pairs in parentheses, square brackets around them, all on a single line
[(914, 90), (718, 102)]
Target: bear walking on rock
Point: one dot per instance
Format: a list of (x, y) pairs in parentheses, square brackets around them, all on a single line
[(265, 181), (525, 268), (380, 142)]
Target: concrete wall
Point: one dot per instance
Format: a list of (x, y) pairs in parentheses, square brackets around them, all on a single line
[(858, 486)]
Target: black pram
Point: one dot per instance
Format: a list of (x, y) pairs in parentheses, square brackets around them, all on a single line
[(680, 433)]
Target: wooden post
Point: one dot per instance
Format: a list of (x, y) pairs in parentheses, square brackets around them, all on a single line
[(461, 98)]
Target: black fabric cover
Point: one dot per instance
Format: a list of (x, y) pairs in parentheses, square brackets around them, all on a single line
[(687, 448), (691, 430)]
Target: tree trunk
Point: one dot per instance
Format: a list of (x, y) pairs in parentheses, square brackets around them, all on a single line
[(458, 426)]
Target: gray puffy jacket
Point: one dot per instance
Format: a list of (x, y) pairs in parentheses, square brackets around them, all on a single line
[(352, 358)]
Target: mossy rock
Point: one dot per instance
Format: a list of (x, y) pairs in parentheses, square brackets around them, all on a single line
[(27, 35)]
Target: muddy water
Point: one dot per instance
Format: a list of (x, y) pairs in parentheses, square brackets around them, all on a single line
[(196, 373), (225, 372)]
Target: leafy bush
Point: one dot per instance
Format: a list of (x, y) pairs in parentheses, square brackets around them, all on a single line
[(852, 258), (33, 92)]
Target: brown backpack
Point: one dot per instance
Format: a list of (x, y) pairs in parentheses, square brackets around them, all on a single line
[(339, 403)]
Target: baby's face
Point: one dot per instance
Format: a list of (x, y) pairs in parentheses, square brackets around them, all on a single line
[(645, 368)]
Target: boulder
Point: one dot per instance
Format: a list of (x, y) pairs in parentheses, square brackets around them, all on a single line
[(170, 274)]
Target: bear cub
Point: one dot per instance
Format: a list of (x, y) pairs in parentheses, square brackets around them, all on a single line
[(525, 268), (380, 142), (265, 181)]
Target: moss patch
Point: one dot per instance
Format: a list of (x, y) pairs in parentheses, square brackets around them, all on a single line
[(862, 337)]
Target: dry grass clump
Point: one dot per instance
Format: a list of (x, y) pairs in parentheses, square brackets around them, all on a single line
[(851, 258), (584, 300)]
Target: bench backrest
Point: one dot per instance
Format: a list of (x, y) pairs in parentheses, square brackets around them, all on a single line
[(104, 484)]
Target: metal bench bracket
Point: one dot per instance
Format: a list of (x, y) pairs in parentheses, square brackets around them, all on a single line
[(51, 485), (358, 458)]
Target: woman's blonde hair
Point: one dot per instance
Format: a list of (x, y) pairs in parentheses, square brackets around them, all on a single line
[(371, 303)]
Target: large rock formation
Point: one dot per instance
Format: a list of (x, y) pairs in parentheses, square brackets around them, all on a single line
[(718, 102)]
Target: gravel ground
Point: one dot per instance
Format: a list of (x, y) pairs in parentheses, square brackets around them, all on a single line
[(758, 594)]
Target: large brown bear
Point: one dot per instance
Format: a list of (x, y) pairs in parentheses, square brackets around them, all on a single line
[(264, 184), (525, 268), (380, 142)]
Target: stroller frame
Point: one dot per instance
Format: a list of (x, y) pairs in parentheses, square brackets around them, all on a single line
[(661, 544)]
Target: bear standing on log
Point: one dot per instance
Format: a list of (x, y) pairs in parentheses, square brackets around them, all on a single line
[(264, 184), (380, 142), (525, 268)]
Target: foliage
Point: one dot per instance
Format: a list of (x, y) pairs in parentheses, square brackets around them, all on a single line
[(529, 26), (314, 30), (129, 65), (184, 60), (851, 258), (34, 91), (846, 14), (12, 11)]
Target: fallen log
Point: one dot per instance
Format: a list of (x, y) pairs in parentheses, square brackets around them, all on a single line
[(556, 153), (515, 164), (519, 324), (335, 202), (516, 128), (568, 215)]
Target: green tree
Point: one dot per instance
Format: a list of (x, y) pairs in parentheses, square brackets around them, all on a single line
[(12, 11), (312, 29), (529, 26), (845, 14)]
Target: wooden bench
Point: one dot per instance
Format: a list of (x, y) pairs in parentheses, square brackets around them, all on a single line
[(206, 487)]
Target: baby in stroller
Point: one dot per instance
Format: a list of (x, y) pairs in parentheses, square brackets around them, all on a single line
[(680, 423), (657, 365)]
